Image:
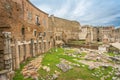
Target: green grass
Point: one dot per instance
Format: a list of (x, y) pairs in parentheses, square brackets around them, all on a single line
[(73, 74), (52, 57), (69, 51), (112, 54), (18, 74)]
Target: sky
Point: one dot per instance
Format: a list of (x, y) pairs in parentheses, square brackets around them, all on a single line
[(87, 12)]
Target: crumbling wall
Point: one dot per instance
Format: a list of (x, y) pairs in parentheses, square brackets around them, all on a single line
[(1, 52), (65, 29), (6, 72)]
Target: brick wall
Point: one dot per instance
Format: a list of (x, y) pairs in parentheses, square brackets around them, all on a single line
[(28, 36)]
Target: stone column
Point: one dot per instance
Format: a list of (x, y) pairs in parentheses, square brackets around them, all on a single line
[(7, 51), (17, 56), (47, 45), (1, 52), (32, 48), (42, 45), (38, 50), (7, 72)]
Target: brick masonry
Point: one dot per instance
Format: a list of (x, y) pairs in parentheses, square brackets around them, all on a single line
[(32, 31), (28, 26)]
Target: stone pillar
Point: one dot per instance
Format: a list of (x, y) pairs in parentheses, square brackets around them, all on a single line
[(17, 56), (7, 51), (42, 45), (32, 48), (38, 50), (24, 50), (3, 72), (6, 73), (1, 52), (47, 45)]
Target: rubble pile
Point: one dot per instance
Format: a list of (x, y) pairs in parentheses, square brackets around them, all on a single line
[(64, 65), (30, 70)]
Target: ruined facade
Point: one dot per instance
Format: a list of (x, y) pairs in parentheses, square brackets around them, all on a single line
[(86, 34), (27, 29), (103, 34), (117, 35), (64, 30)]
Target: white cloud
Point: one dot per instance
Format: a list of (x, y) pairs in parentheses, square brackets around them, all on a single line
[(81, 8), (94, 12), (63, 10), (45, 8)]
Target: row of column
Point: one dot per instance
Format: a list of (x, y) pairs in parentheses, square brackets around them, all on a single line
[(13, 54), (24, 51)]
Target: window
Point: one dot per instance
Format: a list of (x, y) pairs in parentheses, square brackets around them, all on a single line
[(34, 32), (37, 20), (23, 31)]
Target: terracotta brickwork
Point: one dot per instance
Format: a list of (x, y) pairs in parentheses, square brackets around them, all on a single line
[(28, 26), (31, 31)]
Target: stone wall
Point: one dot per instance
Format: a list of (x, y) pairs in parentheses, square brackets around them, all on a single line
[(86, 34), (6, 72), (26, 32), (101, 31), (1, 52), (63, 29), (29, 37), (117, 35)]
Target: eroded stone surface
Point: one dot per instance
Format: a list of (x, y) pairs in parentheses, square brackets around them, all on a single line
[(64, 65)]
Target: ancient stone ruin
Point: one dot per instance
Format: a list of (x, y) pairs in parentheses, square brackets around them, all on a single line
[(5, 56)]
